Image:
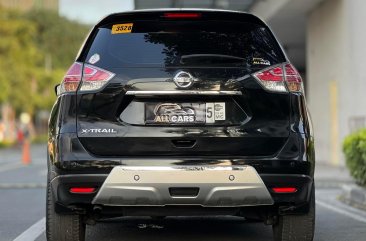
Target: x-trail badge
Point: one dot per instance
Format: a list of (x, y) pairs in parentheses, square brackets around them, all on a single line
[(183, 80)]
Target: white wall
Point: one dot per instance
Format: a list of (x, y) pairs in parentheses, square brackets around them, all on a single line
[(354, 94), (336, 76)]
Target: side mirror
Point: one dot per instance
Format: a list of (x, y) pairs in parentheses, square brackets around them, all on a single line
[(57, 89)]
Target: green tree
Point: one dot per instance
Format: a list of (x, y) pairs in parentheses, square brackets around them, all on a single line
[(57, 37), (36, 49), (19, 59)]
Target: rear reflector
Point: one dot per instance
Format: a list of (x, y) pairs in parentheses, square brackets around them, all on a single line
[(91, 77), (82, 190), (182, 15), (284, 189), (280, 78)]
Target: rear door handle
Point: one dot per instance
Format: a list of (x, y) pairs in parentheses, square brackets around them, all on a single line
[(184, 143)]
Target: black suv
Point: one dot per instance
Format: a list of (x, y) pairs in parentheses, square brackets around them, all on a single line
[(181, 112)]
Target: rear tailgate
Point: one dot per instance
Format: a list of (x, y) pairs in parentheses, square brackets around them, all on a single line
[(150, 108)]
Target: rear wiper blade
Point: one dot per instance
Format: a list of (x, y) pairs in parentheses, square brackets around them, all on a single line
[(190, 56)]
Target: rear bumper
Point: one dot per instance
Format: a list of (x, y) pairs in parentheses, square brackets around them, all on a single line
[(210, 186), (245, 192), (69, 156)]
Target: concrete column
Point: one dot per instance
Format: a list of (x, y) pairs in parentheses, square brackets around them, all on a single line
[(336, 74)]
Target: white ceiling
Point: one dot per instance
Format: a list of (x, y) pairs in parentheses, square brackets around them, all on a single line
[(242, 5)]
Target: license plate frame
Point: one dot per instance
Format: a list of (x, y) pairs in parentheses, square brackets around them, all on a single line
[(184, 113)]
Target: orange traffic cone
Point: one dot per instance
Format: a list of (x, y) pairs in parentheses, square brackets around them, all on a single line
[(26, 158)]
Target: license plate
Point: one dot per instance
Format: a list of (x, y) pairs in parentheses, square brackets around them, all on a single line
[(184, 113)]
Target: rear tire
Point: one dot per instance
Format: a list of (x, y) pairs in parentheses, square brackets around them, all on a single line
[(296, 227), (60, 227)]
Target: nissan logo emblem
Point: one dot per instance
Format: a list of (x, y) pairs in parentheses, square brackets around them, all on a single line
[(183, 80)]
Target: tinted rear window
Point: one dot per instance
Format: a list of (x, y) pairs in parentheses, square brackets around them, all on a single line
[(186, 44)]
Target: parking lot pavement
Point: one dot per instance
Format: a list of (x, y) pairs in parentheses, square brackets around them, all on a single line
[(333, 218), (331, 176), (13, 174), (22, 193)]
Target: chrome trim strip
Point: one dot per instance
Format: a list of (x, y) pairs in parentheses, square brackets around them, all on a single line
[(183, 92), (183, 168)]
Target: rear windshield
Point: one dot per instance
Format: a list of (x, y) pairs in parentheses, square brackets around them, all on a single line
[(183, 44)]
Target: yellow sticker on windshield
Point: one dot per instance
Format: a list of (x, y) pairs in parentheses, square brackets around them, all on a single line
[(122, 28)]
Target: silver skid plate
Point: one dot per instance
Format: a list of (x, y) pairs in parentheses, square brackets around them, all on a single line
[(217, 186)]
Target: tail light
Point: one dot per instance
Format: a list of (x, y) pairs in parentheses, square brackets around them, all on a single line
[(284, 189), (182, 15), (280, 78), (90, 77), (72, 79), (94, 78), (82, 190)]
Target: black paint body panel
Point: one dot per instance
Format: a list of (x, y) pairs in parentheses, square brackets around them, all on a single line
[(270, 131)]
